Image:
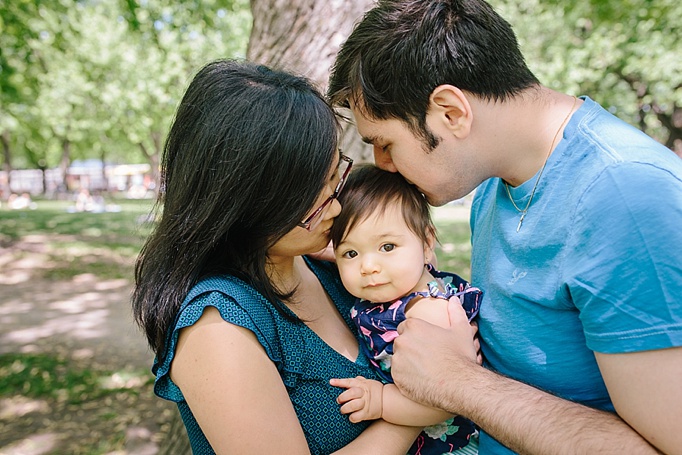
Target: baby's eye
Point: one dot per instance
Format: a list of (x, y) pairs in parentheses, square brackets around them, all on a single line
[(349, 254), (387, 247)]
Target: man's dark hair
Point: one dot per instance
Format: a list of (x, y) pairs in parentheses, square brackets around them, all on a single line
[(403, 49)]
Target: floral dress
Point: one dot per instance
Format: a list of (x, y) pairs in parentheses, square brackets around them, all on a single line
[(378, 327)]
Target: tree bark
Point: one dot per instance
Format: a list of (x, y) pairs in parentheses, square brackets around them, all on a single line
[(65, 162), (5, 190), (303, 37), (176, 441), (154, 158)]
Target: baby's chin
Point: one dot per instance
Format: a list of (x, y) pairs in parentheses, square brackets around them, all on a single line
[(378, 296)]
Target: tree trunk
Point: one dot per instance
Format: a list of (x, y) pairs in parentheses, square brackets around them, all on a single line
[(176, 441), (5, 190), (65, 162), (154, 158), (105, 177), (303, 36)]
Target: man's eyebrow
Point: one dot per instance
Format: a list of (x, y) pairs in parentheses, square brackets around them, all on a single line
[(371, 139)]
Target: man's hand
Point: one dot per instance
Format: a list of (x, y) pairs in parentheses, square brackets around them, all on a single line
[(427, 357), (362, 398)]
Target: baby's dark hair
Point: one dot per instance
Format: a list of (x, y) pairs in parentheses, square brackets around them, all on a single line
[(369, 189)]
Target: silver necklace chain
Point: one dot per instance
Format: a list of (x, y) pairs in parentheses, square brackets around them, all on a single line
[(537, 180)]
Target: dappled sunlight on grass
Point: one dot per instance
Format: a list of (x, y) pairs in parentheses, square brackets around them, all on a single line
[(84, 410), (36, 444), (74, 368), (83, 315), (52, 219)]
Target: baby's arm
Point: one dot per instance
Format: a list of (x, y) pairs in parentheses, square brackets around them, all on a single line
[(366, 399), (431, 309)]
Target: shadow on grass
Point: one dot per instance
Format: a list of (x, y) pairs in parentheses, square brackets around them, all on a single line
[(74, 369)]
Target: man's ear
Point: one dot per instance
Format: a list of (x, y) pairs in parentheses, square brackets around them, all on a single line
[(451, 106)]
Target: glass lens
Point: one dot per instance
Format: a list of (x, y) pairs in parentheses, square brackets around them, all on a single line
[(319, 214), (314, 219)]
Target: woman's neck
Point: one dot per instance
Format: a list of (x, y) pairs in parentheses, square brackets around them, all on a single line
[(285, 272)]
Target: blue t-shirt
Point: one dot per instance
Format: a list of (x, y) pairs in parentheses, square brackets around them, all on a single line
[(304, 361), (596, 265)]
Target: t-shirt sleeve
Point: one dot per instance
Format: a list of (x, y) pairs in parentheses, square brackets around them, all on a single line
[(624, 268), (231, 311)]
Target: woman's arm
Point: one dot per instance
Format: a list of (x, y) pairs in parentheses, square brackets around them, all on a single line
[(232, 388), (382, 438)]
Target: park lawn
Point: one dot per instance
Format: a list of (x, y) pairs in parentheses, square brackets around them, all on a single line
[(101, 244), (105, 245)]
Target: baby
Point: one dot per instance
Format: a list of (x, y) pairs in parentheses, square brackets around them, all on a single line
[(383, 243)]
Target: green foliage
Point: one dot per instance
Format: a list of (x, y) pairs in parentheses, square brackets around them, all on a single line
[(625, 54), (102, 79)]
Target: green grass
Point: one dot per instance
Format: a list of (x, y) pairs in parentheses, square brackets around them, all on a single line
[(104, 244), (454, 251), (48, 376), (52, 217)]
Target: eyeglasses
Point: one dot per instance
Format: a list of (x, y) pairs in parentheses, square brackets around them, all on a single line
[(310, 223)]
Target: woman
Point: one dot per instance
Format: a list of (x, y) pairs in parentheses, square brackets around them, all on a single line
[(247, 332)]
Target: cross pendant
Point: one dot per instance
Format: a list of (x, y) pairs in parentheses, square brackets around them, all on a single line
[(523, 215)]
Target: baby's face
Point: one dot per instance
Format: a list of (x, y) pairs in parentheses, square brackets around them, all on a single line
[(381, 259)]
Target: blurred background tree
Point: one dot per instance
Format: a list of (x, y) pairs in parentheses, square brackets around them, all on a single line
[(625, 54), (100, 79)]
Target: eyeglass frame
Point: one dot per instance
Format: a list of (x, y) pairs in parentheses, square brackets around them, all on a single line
[(308, 222)]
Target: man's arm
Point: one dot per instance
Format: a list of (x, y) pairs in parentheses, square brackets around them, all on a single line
[(646, 390), (521, 417)]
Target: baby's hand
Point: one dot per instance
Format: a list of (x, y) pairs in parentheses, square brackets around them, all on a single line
[(362, 398)]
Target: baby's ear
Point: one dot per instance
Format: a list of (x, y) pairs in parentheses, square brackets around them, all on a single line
[(429, 248)]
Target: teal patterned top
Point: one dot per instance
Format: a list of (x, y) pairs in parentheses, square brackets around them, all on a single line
[(304, 361)]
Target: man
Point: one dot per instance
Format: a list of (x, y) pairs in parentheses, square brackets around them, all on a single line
[(575, 231)]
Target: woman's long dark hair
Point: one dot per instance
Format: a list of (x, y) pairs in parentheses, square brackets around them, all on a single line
[(247, 155)]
